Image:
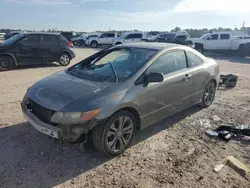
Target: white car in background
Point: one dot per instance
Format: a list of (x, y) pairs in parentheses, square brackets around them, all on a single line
[(128, 37), (106, 38), (150, 36)]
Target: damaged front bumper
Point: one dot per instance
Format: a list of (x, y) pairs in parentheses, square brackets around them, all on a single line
[(64, 132)]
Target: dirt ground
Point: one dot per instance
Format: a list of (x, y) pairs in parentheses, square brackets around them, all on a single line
[(172, 153)]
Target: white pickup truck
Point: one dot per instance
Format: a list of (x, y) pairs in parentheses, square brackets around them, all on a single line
[(238, 42), (102, 39), (128, 37)]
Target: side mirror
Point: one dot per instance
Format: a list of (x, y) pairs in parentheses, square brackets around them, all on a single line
[(154, 77)]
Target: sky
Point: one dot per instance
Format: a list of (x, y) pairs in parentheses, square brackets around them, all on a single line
[(145, 15)]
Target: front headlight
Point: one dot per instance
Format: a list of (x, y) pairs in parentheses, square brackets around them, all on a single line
[(69, 118)]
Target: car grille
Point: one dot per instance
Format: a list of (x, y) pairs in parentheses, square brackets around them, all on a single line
[(40, 112)]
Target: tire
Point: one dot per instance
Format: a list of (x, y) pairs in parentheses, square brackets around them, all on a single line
[(64, 59), (199, 48), (94, 44), (111, 145), (208, 95), (6, 63), (242, 51)]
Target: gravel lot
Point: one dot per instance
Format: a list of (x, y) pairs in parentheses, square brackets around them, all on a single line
[(172, 153)]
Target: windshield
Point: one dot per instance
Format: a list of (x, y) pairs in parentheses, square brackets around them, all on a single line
[(204, 36), (115, 65), (13, 39)]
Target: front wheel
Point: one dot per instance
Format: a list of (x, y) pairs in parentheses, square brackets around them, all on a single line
[(6, 63), (94, 44), (114, 136), (64, 59), (209, 94)]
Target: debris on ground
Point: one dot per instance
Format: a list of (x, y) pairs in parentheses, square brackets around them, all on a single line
[(216, 118), (229, 80), (205, 123), (234, 163), (230, 131)]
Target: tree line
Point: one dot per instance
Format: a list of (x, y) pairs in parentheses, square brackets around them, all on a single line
[(194, 33)]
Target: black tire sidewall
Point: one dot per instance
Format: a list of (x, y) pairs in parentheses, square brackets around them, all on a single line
[(11, 63), (102, 145)]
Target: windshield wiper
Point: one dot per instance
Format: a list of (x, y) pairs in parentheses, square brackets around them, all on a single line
[(113, 69)]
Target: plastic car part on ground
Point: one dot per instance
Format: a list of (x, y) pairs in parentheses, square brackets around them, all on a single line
[(229, 131), (229, 80)]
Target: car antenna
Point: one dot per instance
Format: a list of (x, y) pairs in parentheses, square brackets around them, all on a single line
[(113, 69)]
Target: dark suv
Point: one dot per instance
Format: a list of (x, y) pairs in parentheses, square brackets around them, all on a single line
[(35, 48)]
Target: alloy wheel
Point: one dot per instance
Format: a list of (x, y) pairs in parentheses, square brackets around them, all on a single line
[(119, 134), (64, 59), (209, 93)]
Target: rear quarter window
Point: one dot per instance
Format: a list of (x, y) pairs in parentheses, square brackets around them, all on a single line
[(193, 60)]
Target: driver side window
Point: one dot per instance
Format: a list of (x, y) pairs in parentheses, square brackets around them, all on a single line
[(130, 36), (169, 62), (213, 37), (103, 36), (31, 40)]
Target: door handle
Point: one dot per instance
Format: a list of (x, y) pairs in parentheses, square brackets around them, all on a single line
[(187, 76)]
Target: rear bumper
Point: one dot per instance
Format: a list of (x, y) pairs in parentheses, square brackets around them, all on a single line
[(72, 54)]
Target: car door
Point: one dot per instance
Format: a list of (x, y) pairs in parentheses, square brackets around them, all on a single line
[(137, 37), (110, 38), (199, 76), (49, 48), (103, 38), (28, 50), (129, 38), (211, 43), (224, 42), (169, 96)]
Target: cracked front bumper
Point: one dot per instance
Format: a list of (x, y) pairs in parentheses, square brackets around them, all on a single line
[(42, 127)]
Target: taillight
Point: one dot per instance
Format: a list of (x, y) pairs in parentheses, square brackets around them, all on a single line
[(70, 44)]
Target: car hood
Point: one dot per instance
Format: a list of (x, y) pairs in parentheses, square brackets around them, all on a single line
[(61, 89)]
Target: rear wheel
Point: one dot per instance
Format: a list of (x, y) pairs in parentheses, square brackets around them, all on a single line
[(209, 94), (6, 63), (242, 51), (94, 44), (64, 59), (114, 136)]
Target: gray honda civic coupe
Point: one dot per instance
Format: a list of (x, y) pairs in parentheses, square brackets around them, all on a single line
[(120, 90)]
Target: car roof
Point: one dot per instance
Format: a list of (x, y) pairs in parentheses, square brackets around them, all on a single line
[(41, 33), (150, 45)]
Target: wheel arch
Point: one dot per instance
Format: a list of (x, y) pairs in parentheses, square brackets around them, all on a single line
[(65, 52), (11, 56), (134, 112)]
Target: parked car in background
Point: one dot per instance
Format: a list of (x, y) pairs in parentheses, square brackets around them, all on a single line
[(86, 39), (106, 38), (120, 90), (68, 35), (128, 37), (79, 40), (2, 36), (177, 38), (224, 42), (35, 48), (150, 36), (12, 33)]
